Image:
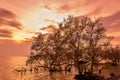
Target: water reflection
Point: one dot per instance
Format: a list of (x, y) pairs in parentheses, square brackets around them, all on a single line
[(44, 75), (13, 68), (9, 64)]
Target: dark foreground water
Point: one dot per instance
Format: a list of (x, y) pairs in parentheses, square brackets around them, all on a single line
[(8, 64)]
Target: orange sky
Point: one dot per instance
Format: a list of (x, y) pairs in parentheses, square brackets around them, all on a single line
[(20, 19)]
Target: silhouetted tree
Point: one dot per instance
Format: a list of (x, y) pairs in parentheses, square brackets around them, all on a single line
[(72, 42), (48, 51), (113, 54), (72, 30), (95, 40)]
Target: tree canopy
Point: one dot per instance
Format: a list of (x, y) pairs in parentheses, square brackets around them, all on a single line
[(75, 40)]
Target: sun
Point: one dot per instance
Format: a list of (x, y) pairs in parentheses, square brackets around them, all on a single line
[(22, 36), (19, 37)]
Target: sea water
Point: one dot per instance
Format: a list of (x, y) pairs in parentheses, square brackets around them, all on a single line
[(10, 63)]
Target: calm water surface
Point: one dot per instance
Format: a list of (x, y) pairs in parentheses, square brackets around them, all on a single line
[(8, 64)]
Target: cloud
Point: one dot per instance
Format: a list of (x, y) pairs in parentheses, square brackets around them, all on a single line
[(59, 6), (83, 7), (5, 33), (95, 11), (103, 8), (112, 25), (64, 8), (51, 21), (47, 7), (6, 14), (7, 18), (5, 36), (112, 22), (50, 28)]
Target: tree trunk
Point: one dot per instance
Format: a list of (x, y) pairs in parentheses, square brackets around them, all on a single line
[(92, 64)]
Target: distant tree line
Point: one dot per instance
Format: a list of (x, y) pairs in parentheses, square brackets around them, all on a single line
[(77, 43)]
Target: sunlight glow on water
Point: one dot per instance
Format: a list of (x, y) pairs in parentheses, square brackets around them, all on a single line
[(8, 64)]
